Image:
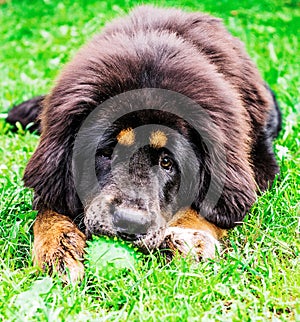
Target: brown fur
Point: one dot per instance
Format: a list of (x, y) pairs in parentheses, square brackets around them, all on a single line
[(58, 245), (126, 137), (189, 218), (158, 139)]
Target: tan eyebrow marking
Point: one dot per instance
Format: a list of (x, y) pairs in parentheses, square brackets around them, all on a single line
[(158, 139), (126, 137)]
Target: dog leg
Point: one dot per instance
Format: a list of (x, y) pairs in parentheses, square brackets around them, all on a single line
[(58, 245), (190, 234)]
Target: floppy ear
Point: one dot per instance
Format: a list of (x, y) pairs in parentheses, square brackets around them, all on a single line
[(235, 187), (238, 196), (232, 187), (49, 173)]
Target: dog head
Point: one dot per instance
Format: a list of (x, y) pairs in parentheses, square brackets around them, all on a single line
[(138, 187), (143, 170)]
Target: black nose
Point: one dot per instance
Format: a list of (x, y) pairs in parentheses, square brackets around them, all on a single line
[(131, 222)]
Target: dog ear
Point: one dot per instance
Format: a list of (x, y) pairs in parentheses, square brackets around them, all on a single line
[(49, 171), (229, 190)]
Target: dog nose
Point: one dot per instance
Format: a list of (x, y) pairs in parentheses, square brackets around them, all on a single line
[(131, 222)]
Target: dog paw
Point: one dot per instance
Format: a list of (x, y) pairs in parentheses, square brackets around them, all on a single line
[(199, 244), (60, 249)]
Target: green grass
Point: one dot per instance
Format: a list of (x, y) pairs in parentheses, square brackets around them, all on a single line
[(256, 278)]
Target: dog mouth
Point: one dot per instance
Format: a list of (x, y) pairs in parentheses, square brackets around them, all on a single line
[(130, 237), (145, 242)]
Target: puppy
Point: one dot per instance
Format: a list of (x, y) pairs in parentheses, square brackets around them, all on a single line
[(159, 131)]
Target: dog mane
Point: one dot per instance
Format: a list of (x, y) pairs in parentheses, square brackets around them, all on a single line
[(188, 53)]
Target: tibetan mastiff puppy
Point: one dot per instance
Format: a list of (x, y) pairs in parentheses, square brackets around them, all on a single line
[(159, 131)]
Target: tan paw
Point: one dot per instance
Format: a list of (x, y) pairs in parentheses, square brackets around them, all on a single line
[(199, 244), (59, 247)]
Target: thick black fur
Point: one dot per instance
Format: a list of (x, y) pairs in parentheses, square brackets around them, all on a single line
[(27, 114)]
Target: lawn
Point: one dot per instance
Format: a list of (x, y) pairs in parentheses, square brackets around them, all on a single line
[(255, 278)]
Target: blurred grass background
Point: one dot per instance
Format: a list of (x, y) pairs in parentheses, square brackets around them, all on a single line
[(256, 278)]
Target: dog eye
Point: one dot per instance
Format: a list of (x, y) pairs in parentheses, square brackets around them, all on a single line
[(166, 163)]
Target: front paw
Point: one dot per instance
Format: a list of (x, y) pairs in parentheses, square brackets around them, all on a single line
[(59, 247), (200, 244)]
